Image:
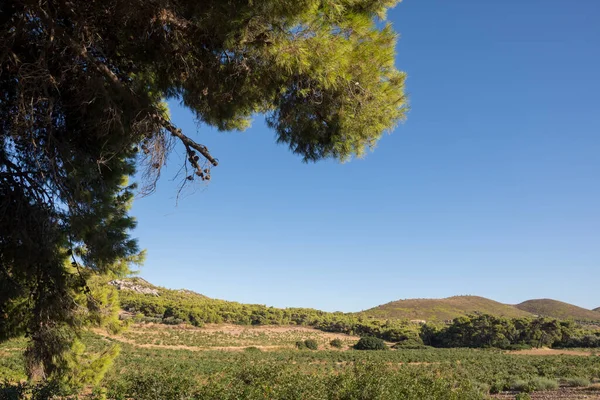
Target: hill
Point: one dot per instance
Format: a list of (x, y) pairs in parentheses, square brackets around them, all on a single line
[(558, 309), (444, 309), (156, 304)]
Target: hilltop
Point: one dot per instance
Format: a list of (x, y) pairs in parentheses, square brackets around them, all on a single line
[(443, 309), (558, 309)]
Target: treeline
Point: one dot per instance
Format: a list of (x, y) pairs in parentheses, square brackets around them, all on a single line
[(489, 331), (177, 307)]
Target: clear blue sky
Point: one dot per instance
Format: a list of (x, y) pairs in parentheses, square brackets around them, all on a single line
[(491, 187)]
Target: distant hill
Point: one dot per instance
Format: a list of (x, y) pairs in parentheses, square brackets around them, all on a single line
[(444, 309), (140, 295), (558, 309), (597, 309)]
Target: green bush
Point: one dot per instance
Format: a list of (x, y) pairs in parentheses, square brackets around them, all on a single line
[(576, 382), (541, 383), (370, 343), (311, 344), (522, 396), (337, 343), (410, 343), (521, 385), (300, 345), (252, 349), (534, 384)]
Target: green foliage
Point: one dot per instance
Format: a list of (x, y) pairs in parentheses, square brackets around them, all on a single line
[(80, 369), (311, 344), (174, 306), (490, 331), (543, 383), (337, 343), (534, 384), (370, 343), (252, 349), (578, 381), (286, 373), (301, 345), (82, 89), (522, 396), (409, 343)]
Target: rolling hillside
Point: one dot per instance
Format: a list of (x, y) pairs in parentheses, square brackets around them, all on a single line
[(558, 309), (138, 295), (444, 309)]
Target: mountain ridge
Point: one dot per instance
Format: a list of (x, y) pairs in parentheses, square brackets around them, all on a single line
[(420, 309)]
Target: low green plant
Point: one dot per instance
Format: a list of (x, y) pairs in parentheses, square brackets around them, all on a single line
[(337, 343), (576, 382), (409, 343), (370, 343), (252, 349), (521, 385), (523, 396), (543, 383), (300, 345), (311, 344)]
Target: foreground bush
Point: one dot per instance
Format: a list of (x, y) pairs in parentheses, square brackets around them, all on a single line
[(337, 343), (370, 343), (577, 382), (311, 344), (535, 384)]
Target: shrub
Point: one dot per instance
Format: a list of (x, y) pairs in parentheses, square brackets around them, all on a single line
[(337, 343), (252, 349), (172, 321), (300, 345), (496, 387), (577, 382), (541, 383), (537, 383), (311, 344), (370, 343), (409, 343), (521, 385), (522, 396), (518, 347)]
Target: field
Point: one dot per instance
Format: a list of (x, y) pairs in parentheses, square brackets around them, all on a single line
[(234, 362)]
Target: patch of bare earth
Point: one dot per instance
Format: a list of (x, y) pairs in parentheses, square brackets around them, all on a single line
[(228, 329), (551, 352), (560, 394), (238, 330)]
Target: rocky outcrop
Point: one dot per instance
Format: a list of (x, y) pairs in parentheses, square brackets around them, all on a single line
[(134, 286)]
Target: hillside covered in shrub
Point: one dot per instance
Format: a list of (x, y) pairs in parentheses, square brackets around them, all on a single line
[(144, 302)]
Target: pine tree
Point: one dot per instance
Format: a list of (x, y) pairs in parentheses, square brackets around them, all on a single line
[(82, 91)]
